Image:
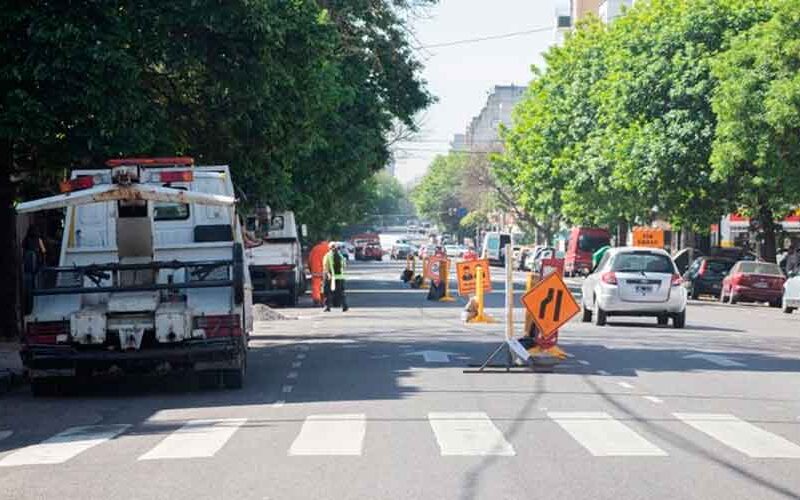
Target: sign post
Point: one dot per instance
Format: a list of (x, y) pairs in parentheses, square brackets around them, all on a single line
[(444, 273)]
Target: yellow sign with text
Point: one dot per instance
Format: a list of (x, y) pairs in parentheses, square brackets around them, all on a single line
[(651, 237)]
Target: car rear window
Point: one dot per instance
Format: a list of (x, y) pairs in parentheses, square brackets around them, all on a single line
[(591, 242), (642, 262), (718, 266), (760, 268)]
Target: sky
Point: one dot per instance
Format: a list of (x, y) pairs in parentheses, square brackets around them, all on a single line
[(461, 76)]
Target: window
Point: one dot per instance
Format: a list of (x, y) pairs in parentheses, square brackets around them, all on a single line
[(170, 211), (642, 262), (590, 242), (759, 268)]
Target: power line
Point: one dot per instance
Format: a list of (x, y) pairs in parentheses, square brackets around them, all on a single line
[(484, 38)]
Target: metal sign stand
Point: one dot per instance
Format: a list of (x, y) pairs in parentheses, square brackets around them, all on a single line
[(509, 343)]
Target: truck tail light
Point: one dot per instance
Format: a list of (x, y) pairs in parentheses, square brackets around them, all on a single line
[(76, 184), (47, 332), (609, 278), (677, 280), (176, 176), (219, 326)]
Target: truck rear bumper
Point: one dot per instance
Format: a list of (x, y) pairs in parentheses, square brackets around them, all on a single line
[(198, 355)]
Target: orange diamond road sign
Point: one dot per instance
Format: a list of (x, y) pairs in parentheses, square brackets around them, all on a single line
[(551, 304)]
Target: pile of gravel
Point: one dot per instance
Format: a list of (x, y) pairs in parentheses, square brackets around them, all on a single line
[(263, 312)]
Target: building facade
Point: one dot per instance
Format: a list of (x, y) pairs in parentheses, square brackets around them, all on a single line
[(483, 132)]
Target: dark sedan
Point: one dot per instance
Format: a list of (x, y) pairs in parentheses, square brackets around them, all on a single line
[(705, 276)]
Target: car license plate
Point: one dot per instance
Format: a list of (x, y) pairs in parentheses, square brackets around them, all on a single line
[(761, 284), (643, 290)]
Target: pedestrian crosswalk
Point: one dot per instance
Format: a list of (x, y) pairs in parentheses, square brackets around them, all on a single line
[(456, 434)]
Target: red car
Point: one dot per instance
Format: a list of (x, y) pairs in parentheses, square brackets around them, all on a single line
[(370, 251), (750, 281)]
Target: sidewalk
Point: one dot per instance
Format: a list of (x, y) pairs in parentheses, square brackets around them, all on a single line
[(11, 371)]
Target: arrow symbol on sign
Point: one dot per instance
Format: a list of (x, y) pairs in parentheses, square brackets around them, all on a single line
[(434, 356), (715, 358)]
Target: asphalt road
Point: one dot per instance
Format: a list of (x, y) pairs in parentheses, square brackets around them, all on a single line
[(374, 403)]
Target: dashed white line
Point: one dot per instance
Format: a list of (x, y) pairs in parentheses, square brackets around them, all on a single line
[(297, 364), (583, 362), (653, 399), (291, 375), (279, 403), (300, 356), (287, 388), (602, 372), (625, 385)]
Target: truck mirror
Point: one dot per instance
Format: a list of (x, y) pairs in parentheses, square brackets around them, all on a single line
[(304, 230)]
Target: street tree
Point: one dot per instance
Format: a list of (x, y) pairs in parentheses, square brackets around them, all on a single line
[(756, 148)]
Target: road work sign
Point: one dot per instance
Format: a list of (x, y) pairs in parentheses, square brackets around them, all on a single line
[(551, 304), (467, 271), (651, 237), (433, 268)]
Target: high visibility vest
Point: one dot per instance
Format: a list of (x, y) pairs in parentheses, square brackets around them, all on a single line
[(328, 266)]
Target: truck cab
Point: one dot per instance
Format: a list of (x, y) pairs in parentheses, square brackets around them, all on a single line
[(276, 260), (151, 276)]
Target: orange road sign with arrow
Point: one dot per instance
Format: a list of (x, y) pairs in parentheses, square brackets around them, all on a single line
[(551, 304)]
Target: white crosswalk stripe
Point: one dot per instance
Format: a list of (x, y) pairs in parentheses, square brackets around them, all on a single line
[(335, 434), (64, 445), (196, 439), (603, 435), (742, 436), (467, 434)]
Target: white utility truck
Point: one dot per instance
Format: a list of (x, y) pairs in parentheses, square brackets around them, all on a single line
[(276, 260), (151, 276)]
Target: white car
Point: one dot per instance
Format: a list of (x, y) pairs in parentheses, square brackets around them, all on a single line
[(632, 281), (791, 294)]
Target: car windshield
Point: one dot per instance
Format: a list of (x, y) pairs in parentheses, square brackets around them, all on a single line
[(591, 242), (642, 262), (760, 268)]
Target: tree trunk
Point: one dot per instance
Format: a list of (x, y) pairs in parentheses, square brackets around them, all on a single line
[(768, 249), (8, 255), (622, 233)]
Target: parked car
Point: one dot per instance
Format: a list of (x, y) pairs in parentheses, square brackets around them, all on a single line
[(750, 281), (369, 251), (583, 242), (401, 251), (705, 276), (791, 294), (454, 251), (631, 281), (534, 262)]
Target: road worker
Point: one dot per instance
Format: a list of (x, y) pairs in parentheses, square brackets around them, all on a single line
[(333, 267)]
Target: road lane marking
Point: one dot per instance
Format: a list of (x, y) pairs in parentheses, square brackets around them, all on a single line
[(742, 436), (584, 362), (625, 385), (468, 434), (64, 445), (5, 434), (604, 436), (602, 372), (297, 364), (287, 388), (301, 356), (279, 403), (291, 375), (335, 434), (653, 399), (196, 439)]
